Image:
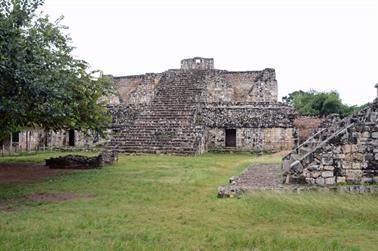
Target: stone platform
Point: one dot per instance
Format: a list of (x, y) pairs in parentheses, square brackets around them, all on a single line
[(268, 177)]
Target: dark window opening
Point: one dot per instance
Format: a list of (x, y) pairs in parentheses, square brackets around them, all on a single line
[(71, 137), (230, 137), (15, 137)]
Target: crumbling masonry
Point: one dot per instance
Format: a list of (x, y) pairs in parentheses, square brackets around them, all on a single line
[(198, 108), (345, 151)]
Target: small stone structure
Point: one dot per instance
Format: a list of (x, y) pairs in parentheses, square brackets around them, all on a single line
[(344, 151), (74, 162), (198, 108), (82, 162)]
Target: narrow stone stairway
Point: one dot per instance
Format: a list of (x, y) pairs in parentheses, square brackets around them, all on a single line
[(168, 125)]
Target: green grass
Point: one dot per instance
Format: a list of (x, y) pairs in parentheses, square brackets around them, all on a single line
[(36, 157), (169, 203)]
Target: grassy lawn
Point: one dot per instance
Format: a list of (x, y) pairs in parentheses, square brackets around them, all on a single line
[(169, 203)]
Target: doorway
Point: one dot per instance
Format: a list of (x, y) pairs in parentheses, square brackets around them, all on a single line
[(230, 137), (71, 137)]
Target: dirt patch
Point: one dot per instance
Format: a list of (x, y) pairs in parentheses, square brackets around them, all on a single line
[(55, 197), (13, 204), (26, 172)]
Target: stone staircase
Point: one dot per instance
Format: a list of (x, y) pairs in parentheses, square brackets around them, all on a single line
[(168, 125), (303, 155)]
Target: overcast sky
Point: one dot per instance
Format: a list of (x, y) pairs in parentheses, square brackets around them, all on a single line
[(312, 44)]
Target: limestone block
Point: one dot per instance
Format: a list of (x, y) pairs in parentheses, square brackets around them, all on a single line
[(376, 156), (368, 157), (374, 135), (375, 179), (315, 174), (314, 167), (328, 168), (354, 148), (327, 161), (330, 181), (327, 174), (366, 134), (347, 148), (339, 156), (310, 181), (367, 180), (358, 156), (353, 173), (356, 165), (320, 181), (340, 179), (346, 165)]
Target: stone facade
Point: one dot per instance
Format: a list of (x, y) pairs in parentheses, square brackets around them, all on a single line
[(198, 108), (37, 139)]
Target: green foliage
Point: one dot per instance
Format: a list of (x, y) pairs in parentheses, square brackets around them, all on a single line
[(42, 84), (169, 203), (313, 103)]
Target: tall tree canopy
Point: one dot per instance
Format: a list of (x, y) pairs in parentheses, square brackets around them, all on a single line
[(314, 103), (42, 85)]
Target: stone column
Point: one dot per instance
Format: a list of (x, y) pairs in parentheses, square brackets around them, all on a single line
[(376, 86)]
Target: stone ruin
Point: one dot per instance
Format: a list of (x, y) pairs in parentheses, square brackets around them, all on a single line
[(198, 108), (344, 151), (190, 110), (83, 162)]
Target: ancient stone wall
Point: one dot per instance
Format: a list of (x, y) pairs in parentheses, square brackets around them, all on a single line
[(251, 86), (253, 139), (138, 89), (250, 115)]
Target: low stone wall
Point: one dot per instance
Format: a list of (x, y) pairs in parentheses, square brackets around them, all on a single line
[(83, 162), (74, 162)]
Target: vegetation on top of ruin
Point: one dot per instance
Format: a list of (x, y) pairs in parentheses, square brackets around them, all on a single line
[(157, 202), (320, 104), (42, 84)]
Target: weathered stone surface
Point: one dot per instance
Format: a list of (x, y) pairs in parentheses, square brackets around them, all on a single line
[(329, 181), (340, 179), (327, 174), (320, 181), (74, 162), (328, 168)]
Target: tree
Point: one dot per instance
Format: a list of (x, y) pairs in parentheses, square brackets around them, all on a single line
[(314, 103), (41, 84)]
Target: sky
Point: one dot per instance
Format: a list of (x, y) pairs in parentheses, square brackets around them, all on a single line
[(312, 44)]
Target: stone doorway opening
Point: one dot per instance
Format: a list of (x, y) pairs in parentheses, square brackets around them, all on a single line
[(230, 137), (71, 137)]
